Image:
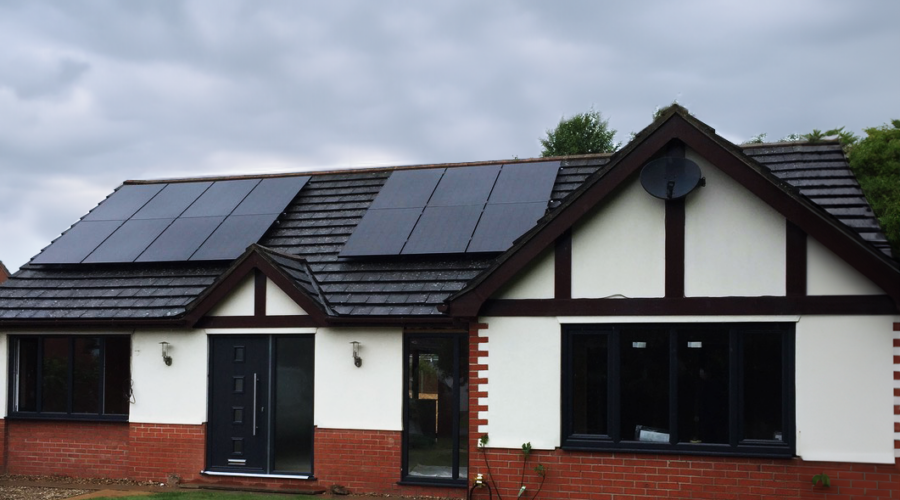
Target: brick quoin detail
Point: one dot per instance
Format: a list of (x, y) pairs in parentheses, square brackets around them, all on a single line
[(623, 476), (897, 396), (478, 392), (118, 450)]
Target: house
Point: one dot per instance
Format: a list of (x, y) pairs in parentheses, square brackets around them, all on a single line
[(685, 318)]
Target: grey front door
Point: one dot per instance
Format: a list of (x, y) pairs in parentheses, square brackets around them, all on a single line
[(261, 404)]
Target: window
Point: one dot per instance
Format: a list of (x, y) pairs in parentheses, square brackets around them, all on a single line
[(70, 376), (699, 388)]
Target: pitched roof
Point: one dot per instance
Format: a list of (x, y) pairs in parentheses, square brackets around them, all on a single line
[(304, 243)]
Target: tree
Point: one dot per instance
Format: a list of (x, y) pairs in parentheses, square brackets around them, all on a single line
[(876, 162), (584, 133)]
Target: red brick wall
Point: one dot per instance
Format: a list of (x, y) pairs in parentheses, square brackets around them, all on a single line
[(157, 450), (366, 462), (623, 476), (86, 449), (147, 452), (2, 444)]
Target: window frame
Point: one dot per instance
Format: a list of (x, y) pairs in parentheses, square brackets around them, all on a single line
[(69, 414), (737, 332)]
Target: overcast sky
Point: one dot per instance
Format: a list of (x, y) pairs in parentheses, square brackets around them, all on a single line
[(93, 92)]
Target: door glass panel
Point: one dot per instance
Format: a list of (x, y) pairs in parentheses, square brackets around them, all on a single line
[(644, 385), (763, 386), (26, 395), (293, 437), (703, 386), (55, 375), (437, 405)]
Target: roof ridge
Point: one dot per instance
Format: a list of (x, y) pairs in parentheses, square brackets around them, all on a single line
[(820, 142), (365, 170)]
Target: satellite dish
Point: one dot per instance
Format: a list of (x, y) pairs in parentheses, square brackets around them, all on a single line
[(671, 178)]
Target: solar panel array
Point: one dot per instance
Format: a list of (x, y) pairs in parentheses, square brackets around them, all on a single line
[(453, 210), (209, 220)]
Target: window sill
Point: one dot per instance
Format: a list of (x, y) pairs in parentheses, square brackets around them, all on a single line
[(760, 450), (68, 417), (438, 483)]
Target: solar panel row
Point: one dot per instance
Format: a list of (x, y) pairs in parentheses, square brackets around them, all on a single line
[(455, 210), (175, 222)]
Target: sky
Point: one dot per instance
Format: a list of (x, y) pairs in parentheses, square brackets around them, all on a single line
[(93, 93)]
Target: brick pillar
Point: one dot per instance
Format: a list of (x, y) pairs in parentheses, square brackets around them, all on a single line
[(897, 394), (478, 392)]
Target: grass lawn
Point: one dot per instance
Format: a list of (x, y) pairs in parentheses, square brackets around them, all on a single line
[(214, 495)]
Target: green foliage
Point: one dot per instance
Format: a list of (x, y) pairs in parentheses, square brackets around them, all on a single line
[(660, 110), (483, 441), (757, 139), (584, 133), (876, 162), (848, 139), (823, 478), (526, 449)]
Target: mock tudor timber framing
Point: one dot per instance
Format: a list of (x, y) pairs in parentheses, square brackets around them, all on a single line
[(802, 219)]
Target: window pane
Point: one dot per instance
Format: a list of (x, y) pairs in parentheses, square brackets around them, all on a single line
[(86, 374), (644, 385), (55, 383), (117, 376), (763, 386), (27, 362), (703, 386), (293, 442), (589, 384)]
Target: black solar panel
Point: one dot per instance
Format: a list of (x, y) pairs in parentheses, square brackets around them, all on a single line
[(233, 236), (180, 240), (381, 232), (525, 183), (175, 221), (221, 198), (408, 188), (123, 203), (271, 196), (132, 238), (77, 243), (172, 200), (443, 230), (465, 186), (501, 224)]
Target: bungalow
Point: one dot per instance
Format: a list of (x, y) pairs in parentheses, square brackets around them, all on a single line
[(685, 318)]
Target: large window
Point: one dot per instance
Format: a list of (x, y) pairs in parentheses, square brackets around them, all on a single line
[(70, 376), (698, 388)]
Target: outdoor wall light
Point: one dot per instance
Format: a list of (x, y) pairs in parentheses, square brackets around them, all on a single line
[(165, 353), (356, 359)]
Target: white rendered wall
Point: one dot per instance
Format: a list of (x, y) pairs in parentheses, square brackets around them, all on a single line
[(239, 302), (620, 249), (173, 394), (369, 397), (524, 356), (845, 402), (4, 372), (734, 242), (536, 281), (279, 303), (828, 274)]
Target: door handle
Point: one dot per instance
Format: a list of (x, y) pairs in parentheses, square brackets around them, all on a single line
[(255, 383)]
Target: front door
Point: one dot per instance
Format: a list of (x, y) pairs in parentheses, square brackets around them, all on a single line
[(260, 404)]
